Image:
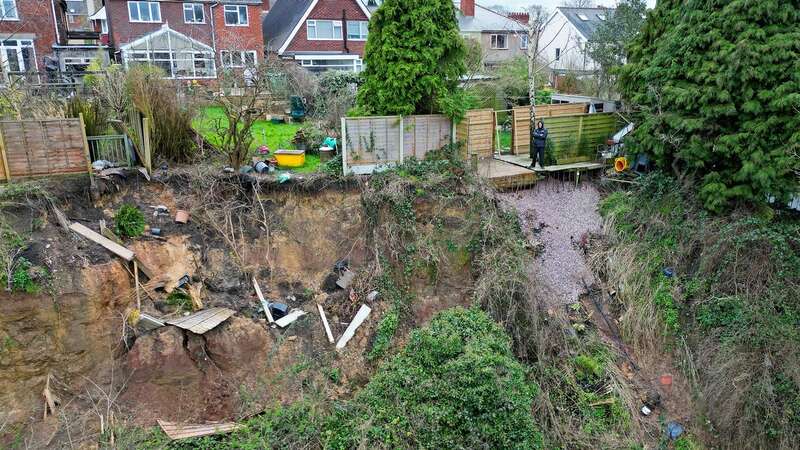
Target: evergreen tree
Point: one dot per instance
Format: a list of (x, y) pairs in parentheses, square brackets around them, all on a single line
[(414, 59), (718, 82)]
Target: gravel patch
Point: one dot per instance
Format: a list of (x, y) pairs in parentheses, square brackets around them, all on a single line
[(561, 217)]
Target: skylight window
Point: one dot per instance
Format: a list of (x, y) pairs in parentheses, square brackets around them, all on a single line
[(583, 17), (601, 16)]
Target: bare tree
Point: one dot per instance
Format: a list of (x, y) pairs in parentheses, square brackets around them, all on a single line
[(536, 22), (579, 3)]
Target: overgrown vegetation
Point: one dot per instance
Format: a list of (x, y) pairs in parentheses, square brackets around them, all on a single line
[(731, 290), (717, 86), (129, 221)]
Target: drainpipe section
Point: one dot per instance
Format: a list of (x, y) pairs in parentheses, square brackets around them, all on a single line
[(214, 34), (344, 31), (55, 21)]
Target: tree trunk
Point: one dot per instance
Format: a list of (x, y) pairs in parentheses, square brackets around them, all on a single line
[(534, 29)]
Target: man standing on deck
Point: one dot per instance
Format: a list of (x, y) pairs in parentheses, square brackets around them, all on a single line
[(539, 142)]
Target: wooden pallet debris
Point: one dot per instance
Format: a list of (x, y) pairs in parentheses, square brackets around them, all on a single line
[(177, 431), (287, 320), (361, 316), (264, 302), (203, 321), (110, 245), (325, 323)]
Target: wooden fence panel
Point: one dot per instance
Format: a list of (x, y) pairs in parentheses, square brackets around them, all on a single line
[(578, 138), (422, 134), (521, 128), (477, 132), (42, 147)]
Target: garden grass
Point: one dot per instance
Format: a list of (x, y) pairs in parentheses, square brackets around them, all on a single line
[(275, 136)]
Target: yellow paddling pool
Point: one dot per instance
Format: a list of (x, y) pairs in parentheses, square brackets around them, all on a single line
[(290, 158)]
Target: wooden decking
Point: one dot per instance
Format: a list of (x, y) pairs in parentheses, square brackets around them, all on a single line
[(505, 175), (525, 161)]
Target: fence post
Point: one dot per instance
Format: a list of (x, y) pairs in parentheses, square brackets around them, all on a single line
[(344, 146), (580, 134), (86, 150), (402, 144), (148, 155), (6, 169)]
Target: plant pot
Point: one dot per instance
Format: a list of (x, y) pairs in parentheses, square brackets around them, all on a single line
[(325, 154)]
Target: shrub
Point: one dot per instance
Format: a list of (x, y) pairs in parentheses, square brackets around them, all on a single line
[(171, 133), (129, 221), (456, 384), (95, 117)]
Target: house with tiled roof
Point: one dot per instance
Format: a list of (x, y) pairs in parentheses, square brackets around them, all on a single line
[(563, 42), (502, 38)]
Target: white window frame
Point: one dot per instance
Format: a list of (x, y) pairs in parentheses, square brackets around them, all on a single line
[(103, 26), (493, 41), (363, 30), (196, 55), (335, 25), (583, 17), (238, 10), (138, 4), (190, 7), (5, 15), (228, 55), (5, 67), (347, 62), (523, 41)]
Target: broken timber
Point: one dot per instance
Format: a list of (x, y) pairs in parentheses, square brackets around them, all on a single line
[(264, 303), (203, 321), (148, 322), (110, 245), (284, 322), (325, 323), (361, 316), (178, 431)]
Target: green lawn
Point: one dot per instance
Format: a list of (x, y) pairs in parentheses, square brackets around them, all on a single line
[(275, 136)]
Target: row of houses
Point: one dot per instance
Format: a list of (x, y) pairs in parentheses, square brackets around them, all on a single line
[(195, 39)]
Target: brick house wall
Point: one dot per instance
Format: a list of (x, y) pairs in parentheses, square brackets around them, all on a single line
[(331, 10), (123, 31), (36, 23)]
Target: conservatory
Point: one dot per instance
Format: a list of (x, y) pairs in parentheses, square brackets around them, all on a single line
[(180, 56)]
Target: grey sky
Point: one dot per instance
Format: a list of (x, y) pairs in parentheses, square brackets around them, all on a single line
[(516, 5)]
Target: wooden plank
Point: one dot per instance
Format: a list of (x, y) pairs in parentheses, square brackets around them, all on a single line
[(86, 148), (325, 323), (177, 431), (111, 246), (288, 319), (361, 316), (203, 321), (6, 169), (263, 301)]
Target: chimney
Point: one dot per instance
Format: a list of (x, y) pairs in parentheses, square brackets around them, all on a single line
[(468, 8)]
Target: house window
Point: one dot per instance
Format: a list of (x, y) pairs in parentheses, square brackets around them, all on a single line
[(16, 57), (193, 13), (523, 41), (321, 65), (236, 15), (144, 11), (500, 42), (176, 63), (601, 16), (8, 10), (357, 30), (583, 17), (558, 54), (324, 30), (104, 26), (237, 59)]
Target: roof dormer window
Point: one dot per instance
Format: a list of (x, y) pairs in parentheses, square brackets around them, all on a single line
[(601, 16), (583, 17)]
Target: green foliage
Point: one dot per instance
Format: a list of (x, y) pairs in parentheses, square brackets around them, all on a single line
[(129, 221), (25, 277), (609, 41), (718, 86), (414, 59), (383, 337), (180, 299), (512, 83), (734, 297), (588, 369), (334, 96), (455, 385), (95, 117), (171, 134)]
